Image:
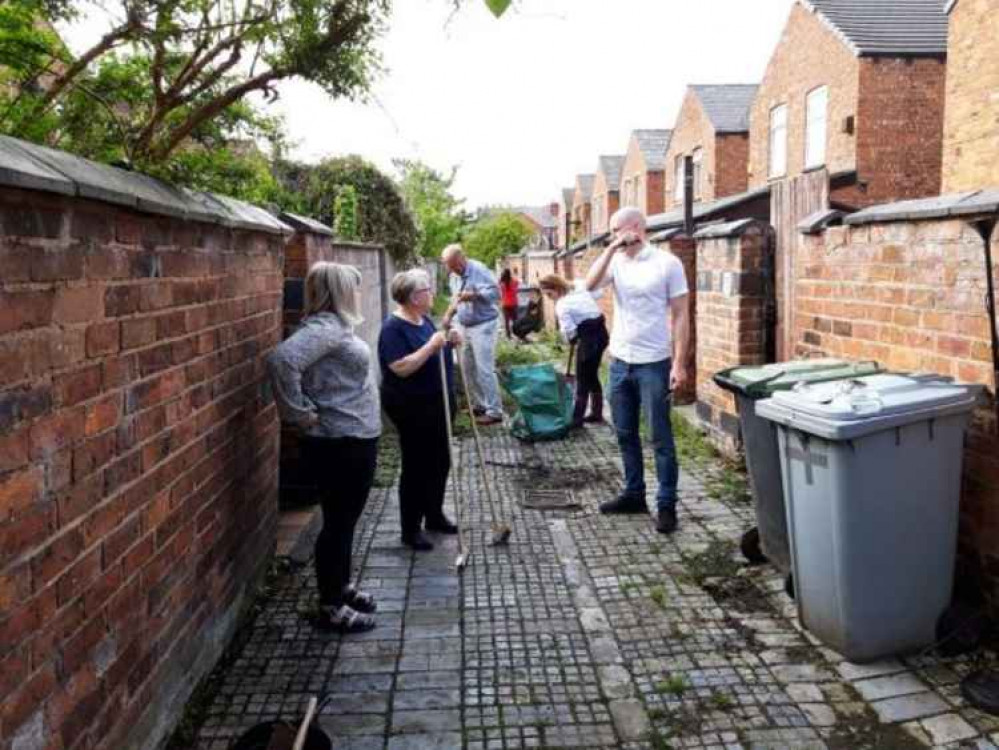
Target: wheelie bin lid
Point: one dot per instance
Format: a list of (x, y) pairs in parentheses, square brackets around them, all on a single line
[(847, 409), (756, 381)]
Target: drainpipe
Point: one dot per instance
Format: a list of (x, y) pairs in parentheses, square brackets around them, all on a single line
[(986, 229), (688, 196)]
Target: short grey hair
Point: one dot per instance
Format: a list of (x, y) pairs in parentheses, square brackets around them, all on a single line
[(335, 288), (451, 250), (405, 283), (629, 216)]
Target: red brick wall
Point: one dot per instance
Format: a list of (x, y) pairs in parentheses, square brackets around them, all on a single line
[(692, 130), (731, 173), (910, 295), (971, 133), (138, 461), (730, 321), (900, 128)]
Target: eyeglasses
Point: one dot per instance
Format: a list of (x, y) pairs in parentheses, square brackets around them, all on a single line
[(422, 289)]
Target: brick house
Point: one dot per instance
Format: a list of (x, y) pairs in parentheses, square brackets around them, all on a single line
[(582, 219), (857, 93), (606, 197), (565, 217), (644, 170), (713, 128), (971, 119), (543, 223)]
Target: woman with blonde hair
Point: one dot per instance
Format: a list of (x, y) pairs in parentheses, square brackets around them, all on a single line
[(582, 323), (324, 384), (410, 349)]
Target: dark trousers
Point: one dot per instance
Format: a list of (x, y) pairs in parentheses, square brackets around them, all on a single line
[(509, 316), (590, 345), (425, 459), (344, 470)]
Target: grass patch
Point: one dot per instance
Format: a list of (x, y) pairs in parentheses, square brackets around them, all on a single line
[(675, 685), (545, 347), (691, 444), (389, 457), (721, 701), (658, 595), (714, 562)]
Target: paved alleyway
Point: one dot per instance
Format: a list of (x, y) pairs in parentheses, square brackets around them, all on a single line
[(586, 632)]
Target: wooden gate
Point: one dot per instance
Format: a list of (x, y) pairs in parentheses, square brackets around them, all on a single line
[(792, 200)]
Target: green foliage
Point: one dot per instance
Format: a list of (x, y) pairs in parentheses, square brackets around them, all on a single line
[(675, 685), (428, 195), (165, 88), (382, 216), (495, 236), (345, 212)]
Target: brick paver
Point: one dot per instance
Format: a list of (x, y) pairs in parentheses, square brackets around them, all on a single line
[(585, 632)]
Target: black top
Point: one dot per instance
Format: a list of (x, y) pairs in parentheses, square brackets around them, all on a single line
[(400, 338)]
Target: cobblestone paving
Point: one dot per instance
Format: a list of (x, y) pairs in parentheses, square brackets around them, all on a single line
[(585, 632)]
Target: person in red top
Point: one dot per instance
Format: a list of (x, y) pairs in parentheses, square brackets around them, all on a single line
[(508, 297)]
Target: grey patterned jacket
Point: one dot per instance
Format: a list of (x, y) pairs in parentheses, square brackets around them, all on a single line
[(325, 369)]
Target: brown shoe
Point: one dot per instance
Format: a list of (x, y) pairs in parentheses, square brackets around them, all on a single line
[(487, 419)]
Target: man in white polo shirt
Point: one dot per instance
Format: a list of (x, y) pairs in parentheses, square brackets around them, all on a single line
[(648, 345)]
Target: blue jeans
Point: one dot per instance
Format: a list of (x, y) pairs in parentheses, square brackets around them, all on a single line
[(644, 389)]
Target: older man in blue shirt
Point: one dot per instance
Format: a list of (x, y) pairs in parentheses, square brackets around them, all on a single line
[(475, 303)]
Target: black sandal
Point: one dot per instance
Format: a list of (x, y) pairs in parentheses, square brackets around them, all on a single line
[(345, 620), (361, 601)]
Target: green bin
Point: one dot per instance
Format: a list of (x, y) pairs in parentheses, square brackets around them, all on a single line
[(768, 541)]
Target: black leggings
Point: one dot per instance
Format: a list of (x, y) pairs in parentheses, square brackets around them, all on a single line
[(425, 459), (590, 348), (344, 470)]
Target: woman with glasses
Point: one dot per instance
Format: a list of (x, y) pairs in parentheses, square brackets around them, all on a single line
[(324, 384), (409, 351)]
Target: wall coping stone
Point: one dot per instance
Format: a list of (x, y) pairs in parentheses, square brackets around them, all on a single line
[(33, 167), (666, 234), (729, 229), (305, 224), (815, 223), (953, 205)]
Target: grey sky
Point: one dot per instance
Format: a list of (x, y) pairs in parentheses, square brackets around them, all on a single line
[(524, 103)]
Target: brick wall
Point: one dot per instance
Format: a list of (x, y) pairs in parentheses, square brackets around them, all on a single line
[(138, 461), (731, 174), (809, 55), (971, 130), (732, 264), (649, 185), (910, 295), (900, 128), (605, 201)]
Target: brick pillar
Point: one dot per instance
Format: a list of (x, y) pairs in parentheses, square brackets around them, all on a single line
[(732, 298)]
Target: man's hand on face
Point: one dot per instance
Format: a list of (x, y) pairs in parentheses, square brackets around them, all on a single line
[(626, 240)]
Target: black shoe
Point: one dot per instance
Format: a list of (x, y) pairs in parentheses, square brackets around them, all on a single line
[(666, 523), (624, 505), (478, 411), (418, 542), (442, 525)]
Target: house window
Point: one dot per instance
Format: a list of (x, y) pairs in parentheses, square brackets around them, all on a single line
[(817, 116), (778, 141), (698, 172), (678, 178)]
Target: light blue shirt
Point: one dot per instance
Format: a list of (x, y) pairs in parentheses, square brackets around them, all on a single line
[(479, 279)]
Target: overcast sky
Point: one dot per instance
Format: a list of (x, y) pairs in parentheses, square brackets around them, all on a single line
[(524, 103)]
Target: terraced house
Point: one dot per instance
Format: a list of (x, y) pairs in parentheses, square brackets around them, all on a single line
[(855, 88), (644, 172), (713, 128), (606, 197), (582, 220)]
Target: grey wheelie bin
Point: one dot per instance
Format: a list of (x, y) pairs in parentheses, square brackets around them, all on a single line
[(872, 475), (767, 541)]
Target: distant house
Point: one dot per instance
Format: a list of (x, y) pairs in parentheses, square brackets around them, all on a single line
[(644, 172), (543, 223), (565, 217), (713, 128), (606, 198), (582, 226), (971, 121), (855, 87)]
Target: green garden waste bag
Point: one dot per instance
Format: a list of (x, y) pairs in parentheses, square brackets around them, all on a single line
[(544, 402)]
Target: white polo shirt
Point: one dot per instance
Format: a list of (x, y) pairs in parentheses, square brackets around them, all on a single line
[(643, 288)]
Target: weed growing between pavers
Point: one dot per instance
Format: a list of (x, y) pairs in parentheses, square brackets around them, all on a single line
[(724, 479), (675, 685), (199, 704), (864, 731), (389, 457)]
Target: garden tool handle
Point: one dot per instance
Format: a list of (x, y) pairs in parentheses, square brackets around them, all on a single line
[(568, 363), (303, 730)]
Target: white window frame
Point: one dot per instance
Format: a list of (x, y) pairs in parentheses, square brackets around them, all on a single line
[(778, 136), (816, 126), (678, 178), (698, 157)]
